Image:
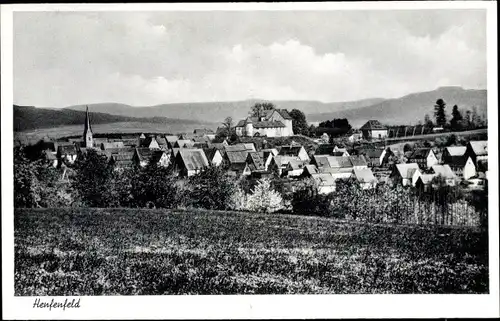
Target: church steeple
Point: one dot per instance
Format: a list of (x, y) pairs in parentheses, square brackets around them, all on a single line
[(87, 131)]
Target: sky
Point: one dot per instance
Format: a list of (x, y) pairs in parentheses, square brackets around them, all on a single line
[(149, 58)]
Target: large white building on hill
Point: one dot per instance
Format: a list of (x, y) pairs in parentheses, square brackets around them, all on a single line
[(273, 123)]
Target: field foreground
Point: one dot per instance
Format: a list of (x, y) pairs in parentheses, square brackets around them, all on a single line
[(148, 252)]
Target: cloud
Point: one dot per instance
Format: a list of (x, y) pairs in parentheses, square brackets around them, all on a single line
[(145, 58)]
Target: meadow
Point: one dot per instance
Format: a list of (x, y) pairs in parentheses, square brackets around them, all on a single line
[(153, 252)]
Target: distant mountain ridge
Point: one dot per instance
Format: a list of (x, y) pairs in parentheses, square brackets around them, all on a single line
[(30, 118), (218, 111), (411, 108)]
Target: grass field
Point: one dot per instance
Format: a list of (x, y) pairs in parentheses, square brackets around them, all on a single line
[(146, 252)]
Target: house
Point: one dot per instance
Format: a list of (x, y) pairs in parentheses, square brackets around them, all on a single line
[(190, 162), (309, 170), (358, 161), (294, 168), (50, 158), (279, 163), (184, 143), (325, 183), (339, 167), (377, 157), (365, 178), (355, 137), (272, 123), (403, 173), (200, 145), (373, 129), (454, 156), (424, 182), (249, 147), (67, 154), (236, 160), (162, 142), (213, 155), (122, 158), (470, 168), (108, 145), (273, 151), (296, 151), (414, 174), (337, 151), (446, 173), (128, 142), (477, 150), (171, 139), (267, 157), (150, 142), (424, 157), (143, 156), (254, 163)]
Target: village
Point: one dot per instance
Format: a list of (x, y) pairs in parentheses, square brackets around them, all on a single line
[(367, 164)]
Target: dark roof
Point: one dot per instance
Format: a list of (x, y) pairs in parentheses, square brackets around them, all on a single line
[(67, 149), (282, 112), (161, 140), (157, 155), (184, 143), (210, 153), (290, 150), (324, 149), (420, 153), (144, 154), (358, 160), (203, 131), (239, 147), (373, 124), (193, 159), (255, 161), (268, 124), (237, 156)]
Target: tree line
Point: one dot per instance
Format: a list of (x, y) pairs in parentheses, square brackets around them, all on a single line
[(460, 120)]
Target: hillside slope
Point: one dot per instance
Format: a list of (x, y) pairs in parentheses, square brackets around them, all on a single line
[(30, 118), (411, 108)]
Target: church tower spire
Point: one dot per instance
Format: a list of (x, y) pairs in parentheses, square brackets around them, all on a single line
[(88, 136)]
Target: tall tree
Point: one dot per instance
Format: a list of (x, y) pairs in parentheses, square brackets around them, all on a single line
[(299, 122), (439, 112), (468, 118), (456, 118), (228, 124), (259, 108), (93, 180), (475, 118)]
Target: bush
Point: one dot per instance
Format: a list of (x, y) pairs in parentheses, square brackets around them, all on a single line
[(211, 189), (263, 198), (307, 201), (158, 186)]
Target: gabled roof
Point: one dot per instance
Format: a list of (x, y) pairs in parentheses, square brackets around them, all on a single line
[(238, 156), (144, 154), (358, 160), (108, 145), (148, 140), (373, 124), (323, 179), (426, 179), (290, 150), (456, 150), (420, 153), (240, 147), (282, 112), (67, 149), (284, 160), (193, 159), (268, 124), (311, 169), (184, 143), (479, 147), (372, 152), (404, 169), (295, 164), (255, 161), (157, 155), (339, 161), (161, 140), (364, 175), (443, 170), (171, 138), (210, 153), (324, 149)]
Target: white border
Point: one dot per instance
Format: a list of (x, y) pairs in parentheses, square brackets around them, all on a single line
[(254, 306)]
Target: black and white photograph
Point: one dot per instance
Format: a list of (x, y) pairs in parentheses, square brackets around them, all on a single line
[(237, 153)]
